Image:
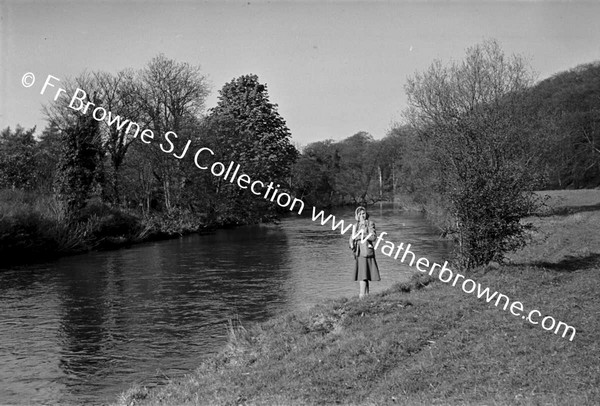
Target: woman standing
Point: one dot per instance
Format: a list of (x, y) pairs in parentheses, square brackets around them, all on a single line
[(365, 265)]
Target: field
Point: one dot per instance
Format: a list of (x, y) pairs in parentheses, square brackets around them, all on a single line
[(426, 342)]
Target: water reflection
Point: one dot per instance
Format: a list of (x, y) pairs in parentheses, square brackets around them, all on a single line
[(81, 329)]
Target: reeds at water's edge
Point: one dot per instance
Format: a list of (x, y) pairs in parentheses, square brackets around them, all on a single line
[(35, 227)]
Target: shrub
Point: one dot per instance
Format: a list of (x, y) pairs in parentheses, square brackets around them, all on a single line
[(26, 232), (475, 150), (109, 222)]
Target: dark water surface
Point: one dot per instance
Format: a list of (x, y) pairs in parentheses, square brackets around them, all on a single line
[(82, 329)]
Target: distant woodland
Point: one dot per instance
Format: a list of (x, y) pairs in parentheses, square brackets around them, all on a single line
[(80, 183)]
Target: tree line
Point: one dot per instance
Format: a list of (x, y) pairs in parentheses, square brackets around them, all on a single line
[(99, 184), (479, 136)]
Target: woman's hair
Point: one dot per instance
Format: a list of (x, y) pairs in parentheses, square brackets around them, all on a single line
[(358, 210)]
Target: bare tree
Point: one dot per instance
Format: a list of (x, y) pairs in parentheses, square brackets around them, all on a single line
[(468, 120), (171, 97), (117, 95)]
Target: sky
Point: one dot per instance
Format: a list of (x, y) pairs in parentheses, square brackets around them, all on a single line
[(334, 68)]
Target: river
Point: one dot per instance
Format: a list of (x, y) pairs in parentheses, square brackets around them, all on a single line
[(82, 329)]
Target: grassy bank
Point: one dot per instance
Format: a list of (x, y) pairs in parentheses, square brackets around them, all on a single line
[(424, 342)]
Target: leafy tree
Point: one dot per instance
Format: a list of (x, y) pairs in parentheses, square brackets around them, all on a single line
[(246, 128), (350, 171), (566, 110), (48, 151), (79, 164), (17, 158), (163, 96), (467, 115), (392, 153), (359, 160), (315, 173)]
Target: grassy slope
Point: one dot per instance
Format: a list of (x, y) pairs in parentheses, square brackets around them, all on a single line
[(424, 344)]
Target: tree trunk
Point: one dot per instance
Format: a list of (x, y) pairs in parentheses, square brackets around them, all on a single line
[(393, 181), (380, 184)]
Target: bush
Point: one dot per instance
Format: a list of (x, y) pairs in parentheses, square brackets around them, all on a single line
[(26, 232), (476, 156), (488, 209), (110, 222), (177, 222), (34, 226)]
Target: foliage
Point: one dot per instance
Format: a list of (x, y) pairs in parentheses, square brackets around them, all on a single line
[(35, 226), (473, 125), (566, 107), (165, 95), (246, 128), (471, 132), (117, 93), (355, 170), (18, 158), (79, 163), (393, 151), (170, 96), (315, 173), (48, 150), (359, 162), (109, 222)]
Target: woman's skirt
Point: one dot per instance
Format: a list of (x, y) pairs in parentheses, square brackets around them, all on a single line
[(366, 269)]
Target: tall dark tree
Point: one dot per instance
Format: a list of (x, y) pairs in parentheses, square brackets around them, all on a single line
[(17, 158), (79, 165), (245, 127), (48, 151)]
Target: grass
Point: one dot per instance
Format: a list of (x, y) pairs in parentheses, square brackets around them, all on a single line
[(424, 342), (571, 201)]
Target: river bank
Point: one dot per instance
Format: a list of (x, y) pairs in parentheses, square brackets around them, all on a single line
[(426, 342), (34, 228)]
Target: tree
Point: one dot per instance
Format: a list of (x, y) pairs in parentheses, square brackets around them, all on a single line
[(48, 151), (165, 96), (171, 97), (79, 168), (118, 96), (246, 128), (79, 163), (17, 158), (565, 108), (359, 160), (315, 173), (468, 120), (393, 156)]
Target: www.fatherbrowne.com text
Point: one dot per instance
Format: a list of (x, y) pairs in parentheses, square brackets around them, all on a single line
[(78, 102)]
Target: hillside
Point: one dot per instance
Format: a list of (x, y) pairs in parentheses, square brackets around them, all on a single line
[(567, 109)]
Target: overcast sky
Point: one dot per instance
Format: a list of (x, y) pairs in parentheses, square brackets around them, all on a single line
[(334, 68)]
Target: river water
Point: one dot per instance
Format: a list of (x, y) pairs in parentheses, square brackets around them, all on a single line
[(82, 329)]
